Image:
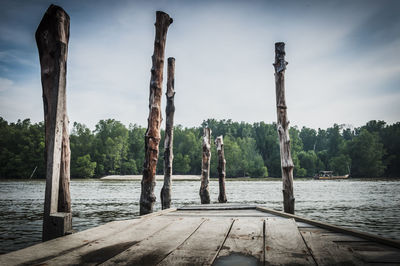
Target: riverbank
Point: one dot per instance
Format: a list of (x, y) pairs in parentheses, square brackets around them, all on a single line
[(158, 177), (186, 178)]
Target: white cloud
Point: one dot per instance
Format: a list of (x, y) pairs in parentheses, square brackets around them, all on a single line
[(5, 84), (224, 55)]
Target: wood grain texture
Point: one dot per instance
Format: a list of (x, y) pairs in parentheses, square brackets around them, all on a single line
[(52, 36), (107, 247), (327, 252), (152, 136), (56, 247), (202, 246), (155, 248), (165, 193), (284, 244), (334, 228), (372, 252), (331, 235), (225, 213), (283, 128), (219, 143), (205, 167), (246, 238), (210, 236)]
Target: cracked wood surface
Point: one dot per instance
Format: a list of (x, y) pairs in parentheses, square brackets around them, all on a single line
[(152, 136), (207, 236), (52, 36)]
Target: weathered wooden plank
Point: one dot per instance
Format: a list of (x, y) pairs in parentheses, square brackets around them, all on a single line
[(53, 248), (326, 252), (155, 248), (202, 247), (331, 235), (225, 213), (284, 244), (304, 225), (58, 246), (372, 252), (245, 238), (367, 236), (217, 207), (366, 246), (107, 247), (379, 256)]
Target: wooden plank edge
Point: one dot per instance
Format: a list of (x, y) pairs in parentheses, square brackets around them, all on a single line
[(158, 213), (382, 240), (181, 244), (222, 243), (216, 208)]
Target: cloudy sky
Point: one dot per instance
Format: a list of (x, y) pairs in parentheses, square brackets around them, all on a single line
[(344, 60)]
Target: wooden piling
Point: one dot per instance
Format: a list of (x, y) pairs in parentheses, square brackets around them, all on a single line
[(152, 137), (219, 143), (52, 38), (283, 128), (169, 136), (205, 167)]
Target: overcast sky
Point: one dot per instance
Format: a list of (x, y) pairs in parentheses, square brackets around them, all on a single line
[(344, 60)]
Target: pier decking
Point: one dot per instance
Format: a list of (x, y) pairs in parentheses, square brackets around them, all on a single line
[(212, 235)]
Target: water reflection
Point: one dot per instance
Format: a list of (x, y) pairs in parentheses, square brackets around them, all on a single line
[(370, 206)]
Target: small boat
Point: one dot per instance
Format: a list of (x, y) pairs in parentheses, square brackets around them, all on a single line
[(328, 175)]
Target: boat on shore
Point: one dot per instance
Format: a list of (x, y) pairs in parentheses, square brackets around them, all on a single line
[(328, 175)]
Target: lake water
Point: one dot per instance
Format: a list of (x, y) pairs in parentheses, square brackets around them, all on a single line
[(367, 205)]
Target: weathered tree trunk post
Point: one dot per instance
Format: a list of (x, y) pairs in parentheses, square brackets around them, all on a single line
[(169, 136), (152, 137), (219, 142), (283, 128), (52, 38), (205, 167)]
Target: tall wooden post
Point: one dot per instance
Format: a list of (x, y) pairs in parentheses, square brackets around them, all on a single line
[(152, 137), (169, 136), (205, 167), (52, 38), (219, 142), (283, 128)]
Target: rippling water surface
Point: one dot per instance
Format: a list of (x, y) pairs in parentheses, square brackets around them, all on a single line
[(366, 205)]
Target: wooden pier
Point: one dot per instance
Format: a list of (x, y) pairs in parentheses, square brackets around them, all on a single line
[(220, 234)]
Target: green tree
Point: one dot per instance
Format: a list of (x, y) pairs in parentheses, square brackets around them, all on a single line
[(390, 136), (335, 140), (309, 161), (267, 144), (84, 167), (340, 164), (366, 153), (308, 137), (232, 156), (110, 146), (252, 163), (181, 164), (135, 151)]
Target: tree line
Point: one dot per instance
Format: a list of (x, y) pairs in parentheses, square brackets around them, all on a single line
[(251, 150)]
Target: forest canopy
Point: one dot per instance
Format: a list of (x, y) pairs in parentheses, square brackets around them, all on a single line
[(251, 150)]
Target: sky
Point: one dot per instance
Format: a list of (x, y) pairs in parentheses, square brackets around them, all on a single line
[(344, 60)]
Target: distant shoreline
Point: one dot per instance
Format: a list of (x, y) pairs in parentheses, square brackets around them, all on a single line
[(158, 177), (189, 178)]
